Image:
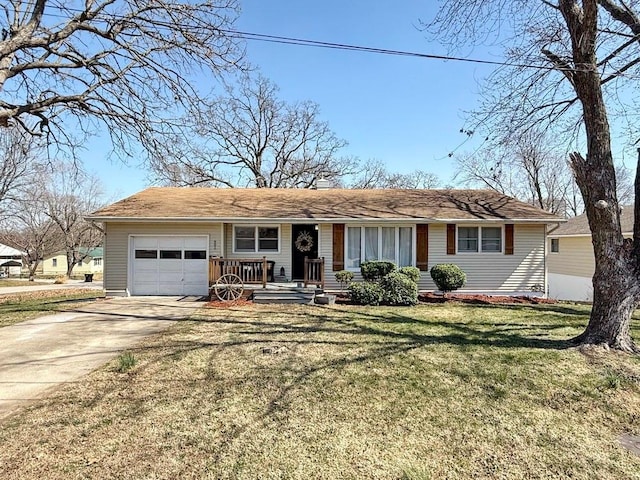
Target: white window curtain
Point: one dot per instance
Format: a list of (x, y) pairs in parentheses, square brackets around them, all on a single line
[(353, 247), (393, 244), (370, 243), (405, 251), (388, 244)]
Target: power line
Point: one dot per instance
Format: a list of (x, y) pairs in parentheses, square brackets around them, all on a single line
[(279, 39), (359, 48)]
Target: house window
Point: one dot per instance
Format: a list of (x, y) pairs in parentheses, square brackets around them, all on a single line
[(480, 239), (467, 239), (492, 239), (256, 238), (97, 262), (555, 245), (54, 262), (393, 244)]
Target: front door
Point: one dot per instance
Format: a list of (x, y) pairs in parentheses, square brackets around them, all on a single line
[(304, 241)]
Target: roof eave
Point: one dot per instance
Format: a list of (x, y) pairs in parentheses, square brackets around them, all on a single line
[(320, 219)]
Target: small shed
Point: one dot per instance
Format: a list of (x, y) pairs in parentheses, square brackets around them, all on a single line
[(10, 261)]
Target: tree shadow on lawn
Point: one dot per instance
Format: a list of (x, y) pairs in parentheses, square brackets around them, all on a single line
[(362, 337), (482, 333)]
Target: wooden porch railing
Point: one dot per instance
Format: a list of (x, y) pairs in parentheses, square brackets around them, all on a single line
[(250, 270), (259, 270), (314, 271)]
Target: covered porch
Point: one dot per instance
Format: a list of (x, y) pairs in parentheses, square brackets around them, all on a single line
[(260, 272)]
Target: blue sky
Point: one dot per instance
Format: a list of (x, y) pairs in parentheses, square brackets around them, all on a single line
[(404, 111)]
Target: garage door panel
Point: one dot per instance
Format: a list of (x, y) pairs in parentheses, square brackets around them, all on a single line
[(175, 265), (195, 243), (146, 242), (170, 243)]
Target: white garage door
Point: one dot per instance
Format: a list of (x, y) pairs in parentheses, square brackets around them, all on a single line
[(171, 265)]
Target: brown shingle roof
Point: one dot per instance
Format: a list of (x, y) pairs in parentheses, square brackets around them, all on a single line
[(580, 225), (332, 204)]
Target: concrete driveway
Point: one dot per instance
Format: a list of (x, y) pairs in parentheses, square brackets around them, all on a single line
[(39, 354)]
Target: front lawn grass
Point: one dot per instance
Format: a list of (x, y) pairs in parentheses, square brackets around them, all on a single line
[(17, 283), (19, 307), (302, 392)]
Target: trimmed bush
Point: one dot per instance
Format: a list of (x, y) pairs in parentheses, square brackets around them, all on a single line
[(344, 277), (399, 289), (375, 271), (412, 272), (448, 276), (366, 293)]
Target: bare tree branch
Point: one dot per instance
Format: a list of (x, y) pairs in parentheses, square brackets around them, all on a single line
[(251, 137), (124, 65)]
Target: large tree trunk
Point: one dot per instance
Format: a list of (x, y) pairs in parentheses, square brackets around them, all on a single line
[(616, 284)]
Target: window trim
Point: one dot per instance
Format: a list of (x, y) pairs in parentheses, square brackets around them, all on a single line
[(480, 251), (256, 239), (362, 226), (551, 250)]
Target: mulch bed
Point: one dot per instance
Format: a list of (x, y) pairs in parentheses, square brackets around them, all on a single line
[(430, 297), (215, 303)]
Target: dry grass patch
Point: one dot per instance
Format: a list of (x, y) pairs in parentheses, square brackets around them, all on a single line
[(19, 307), (437, 391)]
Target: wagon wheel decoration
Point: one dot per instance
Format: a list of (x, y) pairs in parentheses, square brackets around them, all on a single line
[(229, 287), (304, 242)]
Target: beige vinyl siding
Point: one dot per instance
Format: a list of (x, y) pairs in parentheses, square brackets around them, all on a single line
[(281, 259), (116, 245), (575, 257), (494, 272), (487, 272), (325, 237)]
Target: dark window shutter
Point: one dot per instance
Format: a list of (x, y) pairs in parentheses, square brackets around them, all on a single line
[(422, 247), (451, 239), (508, 239), (338, 247)]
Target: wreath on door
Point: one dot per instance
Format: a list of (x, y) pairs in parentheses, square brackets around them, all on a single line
[(304, 242)]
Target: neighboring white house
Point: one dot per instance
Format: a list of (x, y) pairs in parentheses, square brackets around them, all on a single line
[(160, 241), (10, 261), (571, 260)]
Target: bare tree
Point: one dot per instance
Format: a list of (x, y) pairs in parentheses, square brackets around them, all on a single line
[(523, 167), (567, 62), (125, 65), (251, 137), (32, 232), (18, 156), (69, 196), (374, 174)]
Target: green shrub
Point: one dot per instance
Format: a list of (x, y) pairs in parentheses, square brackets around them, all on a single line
[(366, 293), (126, 362), (448, 276), (375, 271), (412, 272), (344, 277), (399, 289)]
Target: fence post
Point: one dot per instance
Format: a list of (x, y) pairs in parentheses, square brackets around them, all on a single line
[(264, 272)]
